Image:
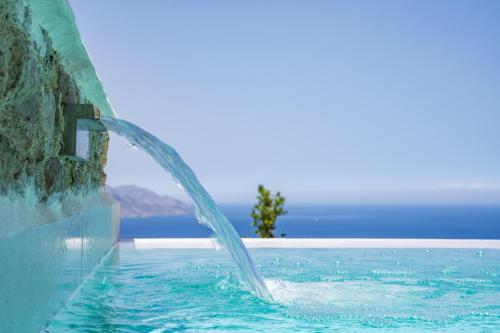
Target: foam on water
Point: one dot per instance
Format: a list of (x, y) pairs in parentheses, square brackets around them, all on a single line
[(368, 300), (341, 293)]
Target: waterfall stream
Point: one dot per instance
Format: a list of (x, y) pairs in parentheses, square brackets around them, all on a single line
[(207, 211)]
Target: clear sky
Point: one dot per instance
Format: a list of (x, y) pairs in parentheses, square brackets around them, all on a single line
[(327, 101)]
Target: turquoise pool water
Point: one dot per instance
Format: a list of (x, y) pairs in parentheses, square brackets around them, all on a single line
[(322, 290)]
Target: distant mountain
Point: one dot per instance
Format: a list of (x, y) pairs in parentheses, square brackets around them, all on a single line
[(141, 202)]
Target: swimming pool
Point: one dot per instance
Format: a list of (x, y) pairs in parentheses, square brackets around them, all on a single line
[(314, 290)]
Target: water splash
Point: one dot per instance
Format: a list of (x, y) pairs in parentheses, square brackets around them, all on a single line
[(207, 211)]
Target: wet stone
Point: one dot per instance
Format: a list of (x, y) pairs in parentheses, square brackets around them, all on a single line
[(33, 90)]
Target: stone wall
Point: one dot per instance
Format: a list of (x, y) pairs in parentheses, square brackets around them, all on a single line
[(56, 223), (33, 89)]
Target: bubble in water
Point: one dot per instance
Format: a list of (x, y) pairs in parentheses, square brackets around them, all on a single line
[(449, 270), (133, 146), (216, 244)]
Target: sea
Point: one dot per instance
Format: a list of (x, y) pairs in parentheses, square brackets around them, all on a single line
[(338, 221)]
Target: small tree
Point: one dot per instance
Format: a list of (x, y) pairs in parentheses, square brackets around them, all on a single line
[(266, 211)]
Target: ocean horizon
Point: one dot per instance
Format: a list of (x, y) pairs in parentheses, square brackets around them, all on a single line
[(427, 221)]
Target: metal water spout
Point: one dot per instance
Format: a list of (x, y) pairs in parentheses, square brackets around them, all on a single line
[(79, 121)]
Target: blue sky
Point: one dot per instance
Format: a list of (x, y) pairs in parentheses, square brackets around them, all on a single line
[(327, 101)]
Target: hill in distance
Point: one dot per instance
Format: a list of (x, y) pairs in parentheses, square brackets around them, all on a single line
[(136, 201)]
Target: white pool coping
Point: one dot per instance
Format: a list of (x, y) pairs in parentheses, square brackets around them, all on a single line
[(320, 243)]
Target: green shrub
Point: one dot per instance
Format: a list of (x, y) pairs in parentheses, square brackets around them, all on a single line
[(266, 211)]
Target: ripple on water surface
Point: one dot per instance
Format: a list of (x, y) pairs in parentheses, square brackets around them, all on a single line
[(314, 290)]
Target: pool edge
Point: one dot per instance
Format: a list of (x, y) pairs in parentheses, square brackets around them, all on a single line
[(319, 243)]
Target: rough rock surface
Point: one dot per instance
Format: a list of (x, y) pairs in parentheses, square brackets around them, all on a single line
[(33, 89)]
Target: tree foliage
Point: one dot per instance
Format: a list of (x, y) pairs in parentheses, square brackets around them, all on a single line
[(266, 211)]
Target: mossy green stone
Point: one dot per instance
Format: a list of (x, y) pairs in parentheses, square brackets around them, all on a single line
[(34, 88)]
